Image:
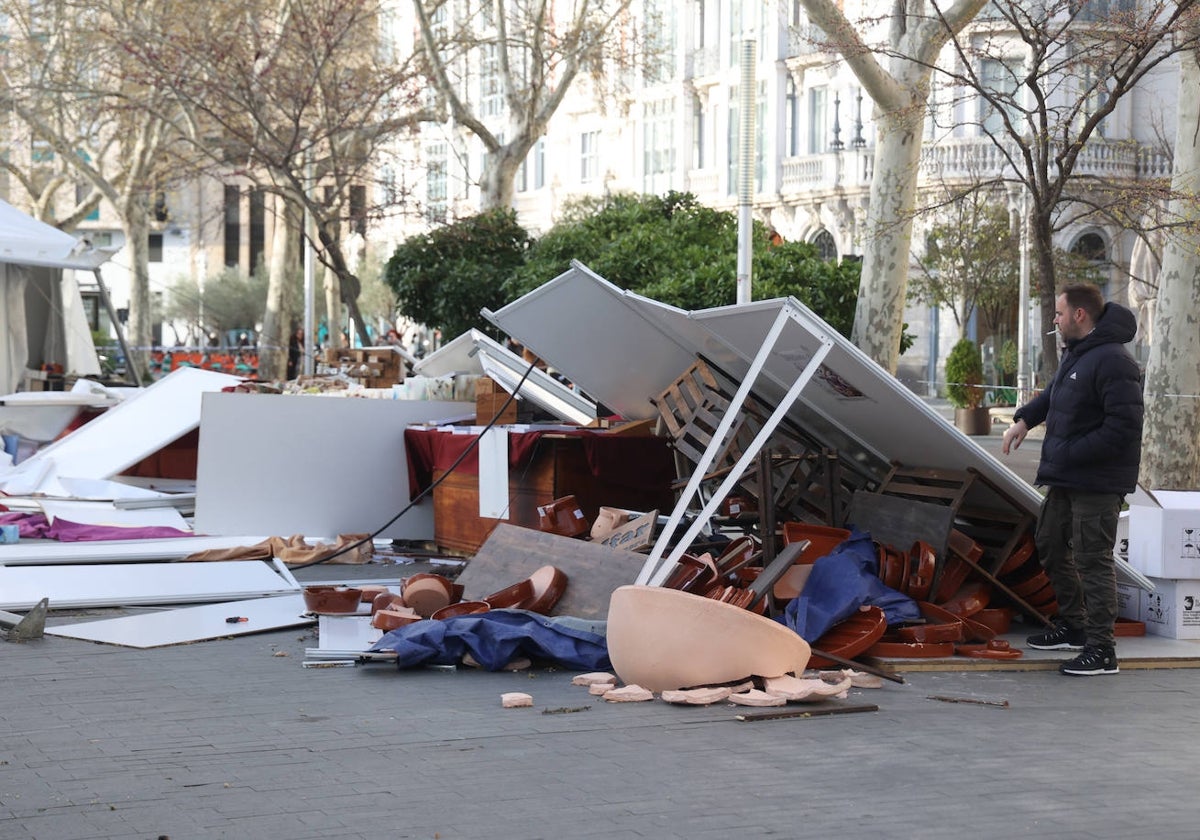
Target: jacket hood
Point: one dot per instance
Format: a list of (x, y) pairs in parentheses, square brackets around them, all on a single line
[(1116, 325)]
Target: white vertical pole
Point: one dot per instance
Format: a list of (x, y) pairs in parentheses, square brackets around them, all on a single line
[(310, 258), (1023, 306), (746, 100)]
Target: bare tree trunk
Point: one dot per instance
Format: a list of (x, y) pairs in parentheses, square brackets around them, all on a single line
[(135, 223), (1171, 439), (272, 345), (333, 308), (881, 297)]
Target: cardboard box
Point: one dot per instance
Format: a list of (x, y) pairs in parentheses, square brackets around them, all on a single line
[(1129, 601), (1172, 609), (1164, 533)]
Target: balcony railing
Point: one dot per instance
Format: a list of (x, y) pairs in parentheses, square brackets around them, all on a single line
[(850, 168), (979, 157)]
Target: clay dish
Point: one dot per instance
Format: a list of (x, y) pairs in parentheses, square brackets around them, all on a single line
[(515, 596), (386, 601), (371, 592), (549, 584), (332, 600), (663, 640), (427, 593), (461, 608), (388, 620)]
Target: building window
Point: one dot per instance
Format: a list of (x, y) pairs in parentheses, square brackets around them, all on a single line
[(156, 247), (491, 100), (999, 80), (233, 226), (358, 209), (589, 157), (792, 119), (258, 227), (825, 245), (658, 152), (435, 183), (818, 120), (539, 164), (698, 129)]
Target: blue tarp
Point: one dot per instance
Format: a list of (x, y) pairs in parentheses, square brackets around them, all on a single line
[(841, 582), (497, 637)]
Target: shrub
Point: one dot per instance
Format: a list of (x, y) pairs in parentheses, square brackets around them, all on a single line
[(964, 375)]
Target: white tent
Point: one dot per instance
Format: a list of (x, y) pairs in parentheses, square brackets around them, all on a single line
[(41, 310)]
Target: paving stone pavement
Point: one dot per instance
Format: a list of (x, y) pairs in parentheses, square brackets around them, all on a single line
[(232, 738)]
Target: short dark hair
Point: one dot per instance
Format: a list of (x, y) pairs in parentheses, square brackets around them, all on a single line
[(1084, 296)]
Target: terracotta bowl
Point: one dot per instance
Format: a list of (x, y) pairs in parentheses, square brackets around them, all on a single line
[(427, 593), (388, 620), (386, 601), (461, 608), (371, 592), (515, 596), (692, 574), (549, 584), (663, 639), (332, 600)]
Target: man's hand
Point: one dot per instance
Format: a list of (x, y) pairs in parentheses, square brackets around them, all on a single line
[(1013, 436)]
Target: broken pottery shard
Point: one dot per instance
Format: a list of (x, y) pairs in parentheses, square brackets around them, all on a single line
[(857, 678), (794, 689), (600, 689), (754, 697), (593, 678), (697, 696), (628, 694), (515, 700)]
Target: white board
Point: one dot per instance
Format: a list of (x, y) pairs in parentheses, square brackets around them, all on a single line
[(191, 624), (317, 466), (127, 584), (51, 552), (139, 426)]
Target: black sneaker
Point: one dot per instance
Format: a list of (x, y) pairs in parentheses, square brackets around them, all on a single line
[(1094, 660), (1062, 637)]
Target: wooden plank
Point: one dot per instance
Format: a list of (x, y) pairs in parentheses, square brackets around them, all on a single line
[(511, 553)]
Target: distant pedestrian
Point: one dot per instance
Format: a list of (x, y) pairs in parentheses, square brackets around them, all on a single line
[(1090, 458)]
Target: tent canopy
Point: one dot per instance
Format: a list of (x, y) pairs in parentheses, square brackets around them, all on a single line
[(41, 308)]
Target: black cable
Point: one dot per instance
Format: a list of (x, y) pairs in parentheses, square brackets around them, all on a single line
[(462, 456)]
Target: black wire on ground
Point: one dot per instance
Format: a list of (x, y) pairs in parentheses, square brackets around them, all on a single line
[(462, 456)]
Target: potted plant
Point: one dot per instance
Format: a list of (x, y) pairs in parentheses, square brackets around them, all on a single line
[(964, 388)]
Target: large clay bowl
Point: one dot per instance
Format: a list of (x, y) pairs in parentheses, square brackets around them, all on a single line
[(461, 608), (332, 600), (549, 584), (515, 596), (850, 637), (427, 593), (663, 639)]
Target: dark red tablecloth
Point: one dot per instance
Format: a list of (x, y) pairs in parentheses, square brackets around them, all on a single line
[(618, 459)]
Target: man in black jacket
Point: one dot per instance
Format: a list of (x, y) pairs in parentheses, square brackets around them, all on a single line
[(1090, 456)]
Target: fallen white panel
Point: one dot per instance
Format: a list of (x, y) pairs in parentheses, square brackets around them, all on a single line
[(346, 633), (105, 513), (309, 465), (127, 584), (51, 552), (191, 624), (129, 432), (493, 474)]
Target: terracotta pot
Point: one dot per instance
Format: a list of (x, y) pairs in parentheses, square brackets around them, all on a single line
[(549, 584), (563, 517), (822, 539), (663, 639), (608, 519), (332, 600), (388, 620), (370, 593), (386, 601), (461, 608), (515, 596), (427, 593)]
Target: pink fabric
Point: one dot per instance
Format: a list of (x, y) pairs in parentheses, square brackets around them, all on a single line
[(35, 526)]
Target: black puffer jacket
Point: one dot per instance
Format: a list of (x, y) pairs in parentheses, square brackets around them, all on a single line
[(1092, 411)]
